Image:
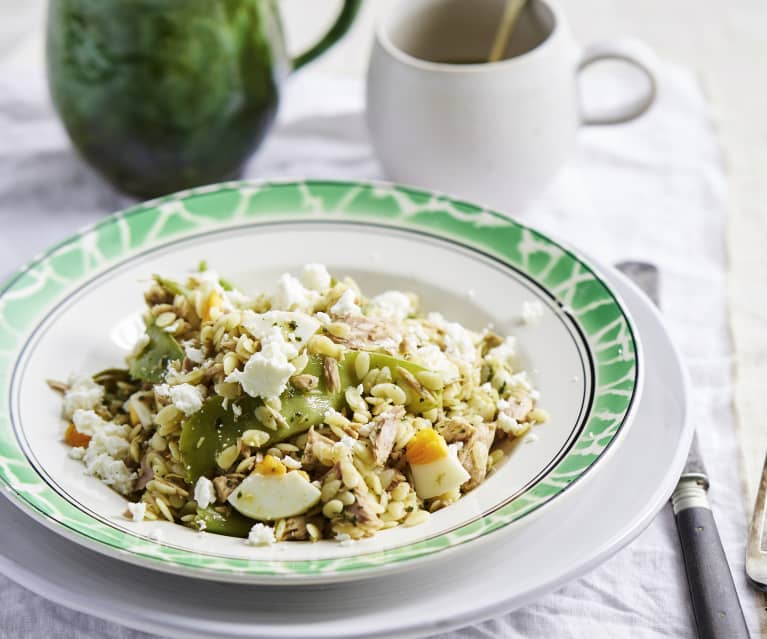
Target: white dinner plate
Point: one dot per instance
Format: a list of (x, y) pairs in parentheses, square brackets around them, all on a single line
[(75, 310), (531, 558)]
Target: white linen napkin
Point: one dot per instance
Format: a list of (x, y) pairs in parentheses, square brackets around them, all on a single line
[(650, 190)]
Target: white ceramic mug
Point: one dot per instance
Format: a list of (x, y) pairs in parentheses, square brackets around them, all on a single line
[(492, 132)]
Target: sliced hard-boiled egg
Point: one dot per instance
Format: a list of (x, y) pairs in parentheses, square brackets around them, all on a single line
[(273, 493), (436, 469), (210, 309)]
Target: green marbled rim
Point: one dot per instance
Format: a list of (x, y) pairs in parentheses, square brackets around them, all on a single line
[(34, 289)]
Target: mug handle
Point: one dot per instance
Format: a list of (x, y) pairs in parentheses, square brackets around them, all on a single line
[(632, 52), (339, 28)]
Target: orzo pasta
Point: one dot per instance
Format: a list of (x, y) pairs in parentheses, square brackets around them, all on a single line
[(310, 413)]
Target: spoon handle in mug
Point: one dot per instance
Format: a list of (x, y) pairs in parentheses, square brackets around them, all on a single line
[(505, 28)]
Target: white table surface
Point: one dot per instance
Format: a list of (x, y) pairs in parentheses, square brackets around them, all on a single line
[(723, 42)]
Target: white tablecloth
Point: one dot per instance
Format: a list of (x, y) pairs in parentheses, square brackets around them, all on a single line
[(652, 190)]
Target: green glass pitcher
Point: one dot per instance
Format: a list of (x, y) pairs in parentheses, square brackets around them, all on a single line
[(162, 95)]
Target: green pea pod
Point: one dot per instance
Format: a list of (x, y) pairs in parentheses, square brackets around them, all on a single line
[(215, 426), (110, 376), (231, 524), (179, 289), (118, 384), (172, 286), (416, 402), (152, 362)]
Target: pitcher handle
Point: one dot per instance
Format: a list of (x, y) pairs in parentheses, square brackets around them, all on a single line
[(634, 53), (339, 28)]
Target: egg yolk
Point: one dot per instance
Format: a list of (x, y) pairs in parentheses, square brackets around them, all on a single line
[(211, 305), (426, 446), (271, 467)]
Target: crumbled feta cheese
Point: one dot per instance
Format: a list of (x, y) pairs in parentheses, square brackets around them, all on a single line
[(267, 372), (195, 355), (237, 299), (393, 305), (505, 352), (296, 328), (204, 494), (291, 295), (186, 398), (137, 511), (201, 525), (531, 438), (345, 305), (111, 439), (459, 342), (83, 393), (520, 380), (87, 422), (324, 318), (77, 453), (413, 335), (237, 411), (532, 312), (507, 424), (112, 472), (487, 387), (344, 539), (292, 464), (104, 456), (346, 442), (162, 391), (434, 359), (261, 535), (315, 277)]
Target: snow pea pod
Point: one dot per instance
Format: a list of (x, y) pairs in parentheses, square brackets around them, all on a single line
[(118, 384), (152, 362), (216, 426), (416, 402), (231, 523), (172, 286)]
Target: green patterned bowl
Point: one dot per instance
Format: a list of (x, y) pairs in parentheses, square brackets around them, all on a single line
[(74, 309)]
